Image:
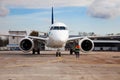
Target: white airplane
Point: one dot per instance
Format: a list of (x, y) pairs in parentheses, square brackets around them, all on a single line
[(58, 36)]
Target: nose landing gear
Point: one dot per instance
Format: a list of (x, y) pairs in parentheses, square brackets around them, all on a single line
[(58, 53)]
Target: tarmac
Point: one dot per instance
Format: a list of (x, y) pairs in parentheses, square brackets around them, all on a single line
[(16, 65)]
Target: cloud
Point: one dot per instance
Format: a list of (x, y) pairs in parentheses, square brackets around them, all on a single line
[(96, 8), (39, 4), (45, 3), (104, 8), (3, 11)]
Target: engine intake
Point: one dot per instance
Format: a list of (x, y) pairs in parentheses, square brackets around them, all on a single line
[(26, 44), (86, 45)]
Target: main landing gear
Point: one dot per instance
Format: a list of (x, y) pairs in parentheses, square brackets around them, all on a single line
[(71, 51), (58, 53), (36, 50)]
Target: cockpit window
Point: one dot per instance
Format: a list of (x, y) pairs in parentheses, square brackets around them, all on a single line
[(62, 28), (51, 28), (58, 28)]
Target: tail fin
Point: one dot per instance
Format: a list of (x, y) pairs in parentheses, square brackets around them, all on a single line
[(52, 17)]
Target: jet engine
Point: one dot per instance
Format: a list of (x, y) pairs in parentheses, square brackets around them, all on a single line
[(26, 44), (86, 44)]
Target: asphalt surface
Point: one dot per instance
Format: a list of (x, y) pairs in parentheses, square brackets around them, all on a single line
[(16, 65)]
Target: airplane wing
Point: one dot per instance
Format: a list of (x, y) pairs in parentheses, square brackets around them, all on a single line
[(93, 38), (74, 38), (38, 38), (81, 37), (106, 41), (111, 36), (90, 37), (32, 37)]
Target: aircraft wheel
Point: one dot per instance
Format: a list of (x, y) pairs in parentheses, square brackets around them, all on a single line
[(59, 54), (71, 51), (33, 52), (38, 51)]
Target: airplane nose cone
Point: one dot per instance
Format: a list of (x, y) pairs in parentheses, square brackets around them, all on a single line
[(62, 39), (60, 36)]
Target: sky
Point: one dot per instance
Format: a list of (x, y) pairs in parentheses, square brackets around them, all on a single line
[(99, 16)]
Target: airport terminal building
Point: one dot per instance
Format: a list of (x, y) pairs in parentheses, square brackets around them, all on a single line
[(112, 43)]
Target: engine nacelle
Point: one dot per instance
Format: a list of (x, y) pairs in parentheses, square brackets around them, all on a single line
[(86, 44), (26, 44)]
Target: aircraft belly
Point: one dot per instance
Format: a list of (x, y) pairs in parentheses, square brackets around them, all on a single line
[(55, 44)]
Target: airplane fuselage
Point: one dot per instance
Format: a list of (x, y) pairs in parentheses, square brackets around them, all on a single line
[(58, 35)]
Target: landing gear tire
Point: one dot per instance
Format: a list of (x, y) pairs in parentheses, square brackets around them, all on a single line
[(71, 51), (38, 51), (33, 52), (58, 54)]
